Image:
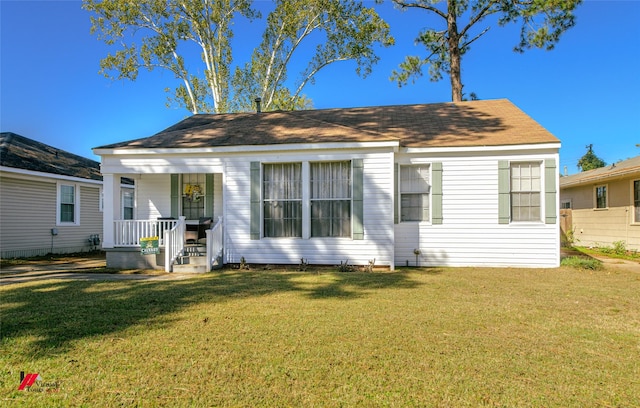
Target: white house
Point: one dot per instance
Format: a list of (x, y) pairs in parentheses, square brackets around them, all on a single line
[(457, 184)]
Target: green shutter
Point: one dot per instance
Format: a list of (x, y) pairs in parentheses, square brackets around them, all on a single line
[(396, 192), (175, 195), (550, 191), (208, 195), (255, 200), (436, 193), (358, 202), (504, 202)]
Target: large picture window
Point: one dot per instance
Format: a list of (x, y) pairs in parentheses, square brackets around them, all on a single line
[(282, 206), (525, 191), (331, 199), (414, 192)]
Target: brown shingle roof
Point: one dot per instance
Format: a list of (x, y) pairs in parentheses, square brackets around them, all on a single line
[(23, 153), (621, 169), (476, 123)]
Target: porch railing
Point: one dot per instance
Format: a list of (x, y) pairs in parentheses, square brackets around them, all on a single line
[(174, 244), (215, 245), (128, 232)]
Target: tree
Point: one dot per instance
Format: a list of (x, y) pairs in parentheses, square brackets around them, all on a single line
[(542, 23), (349, 32), (157, 33), (590, 161)]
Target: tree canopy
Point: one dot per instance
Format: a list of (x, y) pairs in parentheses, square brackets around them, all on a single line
[(590, 161), (542, 23), (153, 34)]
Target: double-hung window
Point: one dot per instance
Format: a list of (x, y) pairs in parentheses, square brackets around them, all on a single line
[(414, 192), (525, 191), (282, 192), (67, 204), (330, 199), (127, 204), (601, 196)]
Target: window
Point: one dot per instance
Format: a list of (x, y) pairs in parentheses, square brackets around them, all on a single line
[(127, 204), (414, 192), (565, 205), (601, 197), (525, 191), (331, 199), (67, 204), (193, 196), (636, 200), (282, 205)]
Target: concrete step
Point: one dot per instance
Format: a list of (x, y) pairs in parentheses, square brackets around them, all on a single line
[(190, 268)]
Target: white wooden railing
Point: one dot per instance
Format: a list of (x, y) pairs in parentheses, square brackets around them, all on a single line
[(128, 232), (174, 244), (215, 245)]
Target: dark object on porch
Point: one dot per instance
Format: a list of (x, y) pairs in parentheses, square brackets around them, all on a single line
[(196, 234)]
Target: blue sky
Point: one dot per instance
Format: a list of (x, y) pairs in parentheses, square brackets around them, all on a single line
[(586, 91)]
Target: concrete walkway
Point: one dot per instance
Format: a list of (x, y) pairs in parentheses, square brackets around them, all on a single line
[(41, 270)]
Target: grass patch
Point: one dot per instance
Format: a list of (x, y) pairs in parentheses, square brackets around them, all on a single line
[(582, 262), (609, 252), (414, 337)]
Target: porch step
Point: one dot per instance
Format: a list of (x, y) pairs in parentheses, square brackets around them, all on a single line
[(193, 260), (189, 268)]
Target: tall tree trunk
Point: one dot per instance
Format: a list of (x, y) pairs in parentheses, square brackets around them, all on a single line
[(454, 52)]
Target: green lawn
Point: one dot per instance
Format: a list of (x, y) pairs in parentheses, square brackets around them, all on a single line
[(446, 337)]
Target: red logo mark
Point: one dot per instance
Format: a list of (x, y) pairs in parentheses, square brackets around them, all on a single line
[(28, 381)]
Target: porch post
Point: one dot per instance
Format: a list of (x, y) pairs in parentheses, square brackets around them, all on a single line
[(111, 195)]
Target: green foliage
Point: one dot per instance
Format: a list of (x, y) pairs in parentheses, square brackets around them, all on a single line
[(590, 161), (157, 34), (542, 23), (582, 262), (620, 247)]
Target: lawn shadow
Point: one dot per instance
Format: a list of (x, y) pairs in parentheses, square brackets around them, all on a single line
[(55, 313)]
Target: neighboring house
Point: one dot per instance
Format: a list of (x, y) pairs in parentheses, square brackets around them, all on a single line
[(50, 199), (459, 184), (602, 206)]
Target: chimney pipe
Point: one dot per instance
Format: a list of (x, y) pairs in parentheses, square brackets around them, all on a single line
[(258, 100)]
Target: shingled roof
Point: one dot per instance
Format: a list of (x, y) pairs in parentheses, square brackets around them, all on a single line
[(23, 153), (624, 168), (476, 123)]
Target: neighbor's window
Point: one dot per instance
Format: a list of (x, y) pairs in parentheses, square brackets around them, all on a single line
[(525, 191), (601, 197), (565, 204), (67, 203), (127, 205), (414, 192), (636, 200), (282, 203), (331, 199)]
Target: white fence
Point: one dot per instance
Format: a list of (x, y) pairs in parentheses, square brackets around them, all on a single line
[(128, 232)]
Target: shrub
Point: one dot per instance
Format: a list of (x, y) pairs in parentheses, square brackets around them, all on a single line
[(620, 247), (582, 263)]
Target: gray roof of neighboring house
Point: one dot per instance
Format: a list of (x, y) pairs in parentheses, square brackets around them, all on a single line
[(23, 153), (475, 123), (624, 168)]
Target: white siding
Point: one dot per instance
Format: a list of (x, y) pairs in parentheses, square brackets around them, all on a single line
[(153, 196), (470, 234), (378, 219), (28, 213)]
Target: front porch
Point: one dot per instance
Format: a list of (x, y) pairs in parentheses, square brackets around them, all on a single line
[(180, 247)]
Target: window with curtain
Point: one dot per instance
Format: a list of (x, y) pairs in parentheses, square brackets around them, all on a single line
[(526, 188), (282, 199), (330, 199), (127, 205), (67, 203), (414, 192), (601, 197)]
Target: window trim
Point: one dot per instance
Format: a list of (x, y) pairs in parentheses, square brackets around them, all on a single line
[(429, 193), (542, 191), (264, 200), (566, 201), (76, 204), (123, 192), (311, 200), (595, 197), (634, 221)]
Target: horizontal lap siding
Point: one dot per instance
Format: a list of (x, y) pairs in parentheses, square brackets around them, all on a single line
[(470, 234), (378, 220), (153, 196), (28, 213)]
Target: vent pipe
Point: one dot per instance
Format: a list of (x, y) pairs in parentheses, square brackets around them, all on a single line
[(258, 108)]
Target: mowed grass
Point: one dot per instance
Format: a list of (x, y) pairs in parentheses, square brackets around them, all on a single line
[(451, 337)]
